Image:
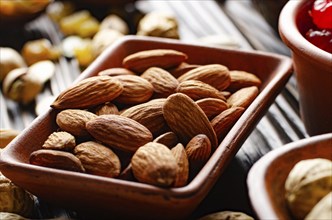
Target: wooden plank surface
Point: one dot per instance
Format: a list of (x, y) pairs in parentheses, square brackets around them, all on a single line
[(236, 21)]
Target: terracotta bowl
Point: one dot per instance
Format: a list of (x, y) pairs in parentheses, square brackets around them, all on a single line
[(124, 198), (313, 68), (266, 179)]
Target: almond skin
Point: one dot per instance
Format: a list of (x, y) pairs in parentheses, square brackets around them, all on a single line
[(215, 75), (98, 159), (199, 148), (243, 97), (154, 164), (168, 139), (212, 106), (116, 71), (241, 79), (196, 89), (60, 140), (135, 89), (223, 122), (182, 69), (89, 92), (163, 82), (181, 158), (163, 58), (56, 159), (149, 114), (186, 119), (119, 132), (74, 121)]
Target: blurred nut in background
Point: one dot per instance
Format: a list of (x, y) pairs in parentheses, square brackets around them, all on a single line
[(307, 183), (24, 84), (11, 216), (60, 9), (37, 50), (229, 215), (6, 136), (158, 24), (80, 23), (114, 22), (14, 199), (9, 59), (322, 210), (103, 39)]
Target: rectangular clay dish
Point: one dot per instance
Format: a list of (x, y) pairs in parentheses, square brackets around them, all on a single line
[(124, 198), (266, 179)]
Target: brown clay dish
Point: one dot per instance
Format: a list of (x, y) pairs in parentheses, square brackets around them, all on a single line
[(125, 198), (267, 177)]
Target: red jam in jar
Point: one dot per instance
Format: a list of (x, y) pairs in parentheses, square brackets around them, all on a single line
[(321, 32)]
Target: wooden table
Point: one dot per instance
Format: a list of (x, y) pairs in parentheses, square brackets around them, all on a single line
[(240, 25)]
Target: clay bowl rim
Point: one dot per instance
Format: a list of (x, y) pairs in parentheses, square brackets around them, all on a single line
[(290, 34), (260, 198)]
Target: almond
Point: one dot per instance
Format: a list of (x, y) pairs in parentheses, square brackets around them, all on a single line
[(60, 141), (198, 90), (243, 97), (212, 106), (119, 132), (135, 89), (198, 151), (89, 92), (106, 108), (168, 139), (182, 69), (186, 119), (98, 159), (149, 114), (223, 122), (181, 158), (241, 79), (74, 121), (163, 58), (215, 75), (154, 164), (116, 71), (163, 82), (56, 159)]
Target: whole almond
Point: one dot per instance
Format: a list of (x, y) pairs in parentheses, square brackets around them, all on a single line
[(119, 132), (56, 159), (60, 140), (168, 139), (215, 75), (163, 58), (116, 71), (199, 148), (186, 119), (74, 121), (182, 69), (149, 114), (98, 159), (106, 108), (196, 89), (223, 122), (154, 164), (89, 92), (198, 151), (241, 79), (181, 158), (212, 106), (135, 89), (163, 82), (243, 97)]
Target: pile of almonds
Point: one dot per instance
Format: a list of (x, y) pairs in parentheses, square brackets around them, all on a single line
[(156, 119)]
